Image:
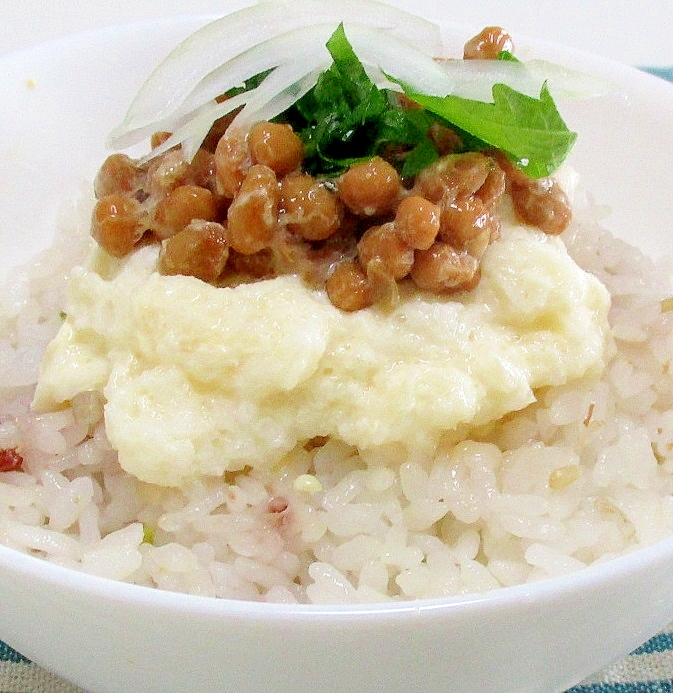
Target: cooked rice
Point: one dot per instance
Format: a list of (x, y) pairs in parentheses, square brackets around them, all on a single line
[(583, 475)]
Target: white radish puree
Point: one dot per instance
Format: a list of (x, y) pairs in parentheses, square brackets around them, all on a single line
[(199, 380)]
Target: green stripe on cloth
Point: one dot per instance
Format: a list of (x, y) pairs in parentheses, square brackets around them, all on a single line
[(648, 669), (7, 654), (659, 643), (663, 72), (636, 687)]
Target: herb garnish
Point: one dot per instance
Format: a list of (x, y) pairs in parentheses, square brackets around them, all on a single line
[(345, 118), (530, 131)]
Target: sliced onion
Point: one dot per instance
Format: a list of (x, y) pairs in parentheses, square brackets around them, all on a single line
[(267, 101), (474, 79), (278, 51), (275, 52), (222, 40), (376, 48), (275, 94), (396, 57), (294, 73), (192, 130), (567, 84)]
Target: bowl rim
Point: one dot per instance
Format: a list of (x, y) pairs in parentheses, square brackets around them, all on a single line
[(597, 575)]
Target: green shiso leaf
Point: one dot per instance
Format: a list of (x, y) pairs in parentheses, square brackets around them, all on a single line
[(345, 118), (529, 130), (508, 56), (339, 117)]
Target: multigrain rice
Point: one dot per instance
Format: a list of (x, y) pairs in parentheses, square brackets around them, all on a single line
[(582, 475)]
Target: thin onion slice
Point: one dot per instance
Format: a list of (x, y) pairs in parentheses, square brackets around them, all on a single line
[(274, 53), (385, 53), (474, 79), (222, 40), (376, 48), (270, 54), (275, 94), (264, 105), (395, 57)]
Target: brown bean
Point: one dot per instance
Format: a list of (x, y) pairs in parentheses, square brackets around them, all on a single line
[(166, 173), (455, 174), (256, 266), (199, 250), (494, 186), (277, 146), (158, 138), (232, 162), (442, 268), (218, 128), (467, 224), (482, 238), (383, 246), (202, 170), (446, 140), (371, 188), (541, 203), (488, 44), (308, 208), (417, 221), (347, 287), (118, 174), (461, 219), (253, 214), (116, 225), (181, 206)]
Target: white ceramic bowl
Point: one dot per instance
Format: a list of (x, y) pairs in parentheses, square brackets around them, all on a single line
[(59, 102)]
